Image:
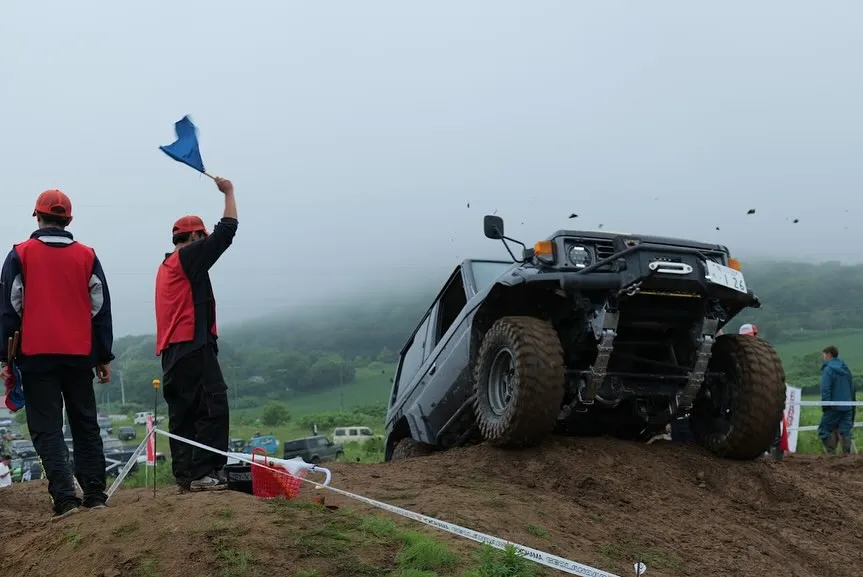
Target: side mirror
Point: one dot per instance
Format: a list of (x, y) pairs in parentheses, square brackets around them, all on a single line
[(493, 227)]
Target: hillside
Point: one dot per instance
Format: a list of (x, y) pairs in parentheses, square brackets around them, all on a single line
[(596, 501)]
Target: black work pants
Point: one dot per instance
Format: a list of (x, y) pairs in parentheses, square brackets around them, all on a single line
[(197, 400), (44, 395)]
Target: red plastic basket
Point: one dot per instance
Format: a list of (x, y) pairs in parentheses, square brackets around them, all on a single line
[(272, 481)]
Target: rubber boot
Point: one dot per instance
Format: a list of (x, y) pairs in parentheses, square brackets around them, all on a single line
[(829, 445), (846, 445)]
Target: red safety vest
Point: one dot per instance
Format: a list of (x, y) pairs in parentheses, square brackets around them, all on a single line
[(57, 317), (175, 305)]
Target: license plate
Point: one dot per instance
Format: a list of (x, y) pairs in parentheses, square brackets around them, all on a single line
[(725, 276)]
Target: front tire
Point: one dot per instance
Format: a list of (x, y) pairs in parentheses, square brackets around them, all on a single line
[(519, 382), (736, 415), (408, 448)]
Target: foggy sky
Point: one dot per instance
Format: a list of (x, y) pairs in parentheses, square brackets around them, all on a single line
[(356, 132)]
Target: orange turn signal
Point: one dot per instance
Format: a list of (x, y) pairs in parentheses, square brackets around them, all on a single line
[(733, 263), (543, 247)]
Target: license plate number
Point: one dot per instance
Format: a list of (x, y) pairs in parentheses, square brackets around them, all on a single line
[(725, 276)]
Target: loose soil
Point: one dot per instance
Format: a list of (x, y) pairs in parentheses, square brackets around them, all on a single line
[(600, 502)]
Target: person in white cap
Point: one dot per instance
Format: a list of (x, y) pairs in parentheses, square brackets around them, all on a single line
[(748, 329)]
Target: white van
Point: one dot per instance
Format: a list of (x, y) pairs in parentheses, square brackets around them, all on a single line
[(352, 434), (141, 418)]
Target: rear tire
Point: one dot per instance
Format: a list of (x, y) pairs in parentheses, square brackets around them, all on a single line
[(409, 448), (737, 416), (519, 382)]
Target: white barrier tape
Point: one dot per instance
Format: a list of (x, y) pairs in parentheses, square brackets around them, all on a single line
[(535, 555), (815, 427), (827, 403)]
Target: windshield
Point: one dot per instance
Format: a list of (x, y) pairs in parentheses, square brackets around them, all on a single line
[(112, 444), (18, 444), (486, 272)]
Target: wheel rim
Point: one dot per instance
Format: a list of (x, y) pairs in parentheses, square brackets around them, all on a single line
[(500, 380)]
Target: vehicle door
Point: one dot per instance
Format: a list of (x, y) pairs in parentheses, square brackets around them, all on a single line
[(448, 382), (409, 377)]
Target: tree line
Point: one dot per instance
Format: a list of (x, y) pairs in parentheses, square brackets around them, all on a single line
[(320, 349)]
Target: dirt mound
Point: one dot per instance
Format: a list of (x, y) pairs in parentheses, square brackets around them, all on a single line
[(596, 501)]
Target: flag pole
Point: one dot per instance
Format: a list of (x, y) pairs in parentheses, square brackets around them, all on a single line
[(208, 174), (156, 384)]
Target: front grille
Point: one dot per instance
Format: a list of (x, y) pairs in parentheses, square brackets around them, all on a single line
[(604, 249)]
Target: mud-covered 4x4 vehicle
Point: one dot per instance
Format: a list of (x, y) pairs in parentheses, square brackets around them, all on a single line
[(587, 333)]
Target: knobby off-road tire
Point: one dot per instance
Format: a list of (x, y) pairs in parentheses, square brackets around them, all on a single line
[(536, 382), (409, 448), (754, 391)]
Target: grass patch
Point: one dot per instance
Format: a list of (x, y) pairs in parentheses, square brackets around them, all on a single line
[(537, 530), (72, 538), (148, 567), (506, 563), (225, 513), (423, 553), (231, 559), (126, 529)]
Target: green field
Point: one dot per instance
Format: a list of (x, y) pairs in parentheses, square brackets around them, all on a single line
[(849, 343)]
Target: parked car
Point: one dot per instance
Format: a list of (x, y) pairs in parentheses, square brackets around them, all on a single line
[(15, 434), (142, 459), (22, 448), (352, 434), (105, 424), (237, 445), (317, 449), (5, 422), (21, 466), (266, 442), (126, 433)]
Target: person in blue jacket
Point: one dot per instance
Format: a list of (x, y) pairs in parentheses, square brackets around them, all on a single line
[(836, 385)]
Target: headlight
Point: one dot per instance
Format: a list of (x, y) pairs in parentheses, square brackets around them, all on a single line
[(579, 256)]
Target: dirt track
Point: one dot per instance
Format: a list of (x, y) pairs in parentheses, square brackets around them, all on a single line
[(596, 501)]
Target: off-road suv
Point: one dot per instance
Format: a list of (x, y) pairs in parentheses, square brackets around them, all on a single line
[(587, 333)]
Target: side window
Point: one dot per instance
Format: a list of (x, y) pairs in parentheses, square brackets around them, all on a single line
[(412, 358), (452, 301), (340, 433), (352, 433), (365, 432)]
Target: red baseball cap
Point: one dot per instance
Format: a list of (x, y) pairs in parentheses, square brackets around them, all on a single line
[(54, 203), (188, 224)]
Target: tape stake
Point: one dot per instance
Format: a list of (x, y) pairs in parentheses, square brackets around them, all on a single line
[(535, 555), (128, 466)]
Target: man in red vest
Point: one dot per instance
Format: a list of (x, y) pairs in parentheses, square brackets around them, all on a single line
[(56, 295), (186, 337)]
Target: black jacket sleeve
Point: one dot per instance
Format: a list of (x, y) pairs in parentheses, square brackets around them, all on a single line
[(11, 301), (103, 326), (199, 257)]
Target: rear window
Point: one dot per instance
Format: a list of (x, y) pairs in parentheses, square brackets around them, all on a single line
[(340, 433)]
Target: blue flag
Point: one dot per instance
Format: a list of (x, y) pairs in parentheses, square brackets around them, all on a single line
[(185, 148)]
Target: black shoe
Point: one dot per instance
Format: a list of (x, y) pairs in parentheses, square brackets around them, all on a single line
[(94, 503), (64, 510)]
